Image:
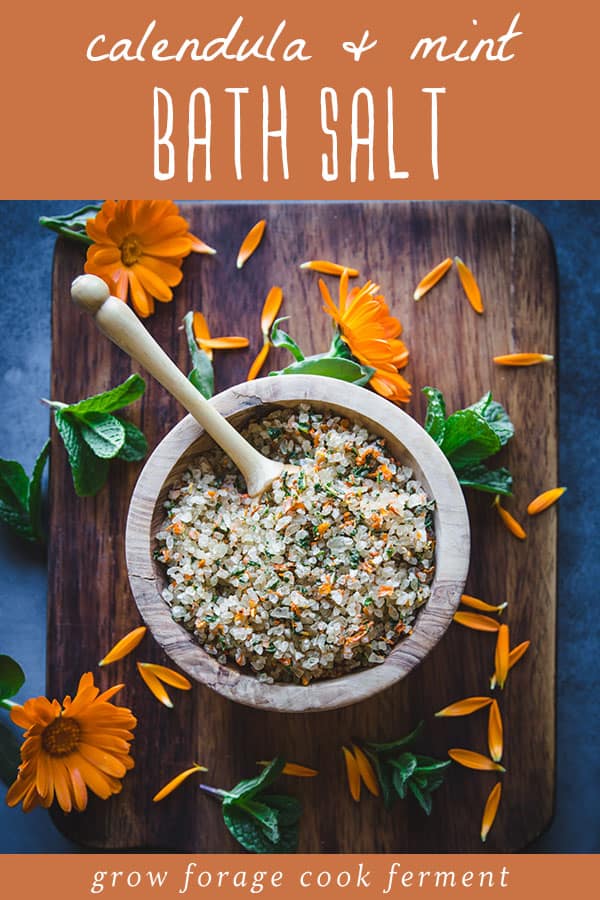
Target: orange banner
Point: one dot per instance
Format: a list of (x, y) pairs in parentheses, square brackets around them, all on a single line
[(346, 877), (335, 100)]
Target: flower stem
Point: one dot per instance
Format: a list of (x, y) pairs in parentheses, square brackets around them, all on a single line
[(217, 792), (8, 704)]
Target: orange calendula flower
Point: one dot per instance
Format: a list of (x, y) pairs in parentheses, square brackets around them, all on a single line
[(476, 621), (353, 773), (70, 748), (481, 605), (490, 810), (366, 770), (124, 646), (495, 732), (208, 343), (294, 769), (511, 523), (324, 267), (513, 658), (269, 312), (372, 335), (175, 782), (470, 286), (472, 760), (432, 278), (465, 707), (251, 242), (522, 359), (138, 249), (543, 501)]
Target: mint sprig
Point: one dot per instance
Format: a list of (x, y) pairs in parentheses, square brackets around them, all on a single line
[(20, 496), (93, 435), (259, 821), (202, 374), (469, 437)]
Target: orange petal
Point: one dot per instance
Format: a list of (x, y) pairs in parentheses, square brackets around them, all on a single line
[(353, 773), (292, 769), (475, 621), (154, 685), (481, 605), (495, 732), (511, 523), (199, 246), (366, 771), (471, 760), (502, 655), (259, 361), (169, 676), (470, 286), (270, 309), (124, 646), (328, 268), (250, 243), (432, 278), (234, 342), (522, 359), (175, 782), (200, 327), (490, 810), (465, 707), (543, 501)]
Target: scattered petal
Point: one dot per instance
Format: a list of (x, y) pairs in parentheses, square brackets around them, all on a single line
[(154, 685), (475, 621), (523, 359), (169, 676), (328, 268), (465, 707), (502, 655), (543, 501), (251, 242), (199, 246), (513, 657), (235, 342), (270, 309), (495, 732), (432, 278), (471, 760), (175, 782), (511, 523), (481, 605), (470, 286), (353, 774), (259, 361), (366, 771), (490, 810), (124, 646), (292, 769)]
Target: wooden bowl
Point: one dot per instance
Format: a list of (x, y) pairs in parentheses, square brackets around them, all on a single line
[(407, 441)]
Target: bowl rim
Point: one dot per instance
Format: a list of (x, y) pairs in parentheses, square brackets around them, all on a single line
[(452, 547)]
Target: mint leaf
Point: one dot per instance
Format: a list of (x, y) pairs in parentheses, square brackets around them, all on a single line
[(14, 485), (423, 797), (394, 745), (35, 492), (89, 472), (135, 446), (288, 808), (281, 338), (247, 832), (250, 787), (20, 498), (384, 775), (428, 764), (468, 439), (103, 433), (435, 420), (12, 677), (112, 400), (332, 367), (493, 481), (10, 754), (496, 417), (264, 815), (202, 375)]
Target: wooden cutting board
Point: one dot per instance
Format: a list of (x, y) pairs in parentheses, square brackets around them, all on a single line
[(451, 347)]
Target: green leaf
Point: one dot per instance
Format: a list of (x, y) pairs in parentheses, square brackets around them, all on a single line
[(202, 375), (423, 797), (14, 485), (384, 775), (264, 815), (103, 433), (399, 782), (280, 338), (89, 472), (468, 439), (496, 417), (73, 224), (12, 677), (428, 764), (249, 833), (110, 401), (17, 521), (493, 481), (289, 809), (247, 789), (135, 446), (435, 420), (35, 492), (332, 367), (394, 745), (10, 754)]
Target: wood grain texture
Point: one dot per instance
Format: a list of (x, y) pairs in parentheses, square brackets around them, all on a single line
[(405, 439), (90, 602)]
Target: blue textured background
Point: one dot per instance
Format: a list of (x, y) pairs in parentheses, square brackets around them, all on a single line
[(26, 260)]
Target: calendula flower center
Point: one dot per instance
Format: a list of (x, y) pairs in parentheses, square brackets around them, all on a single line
[(61, 737), (131, 250)]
